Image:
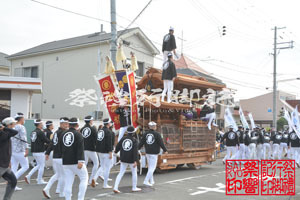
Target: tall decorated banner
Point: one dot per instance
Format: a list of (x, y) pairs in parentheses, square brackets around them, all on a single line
[(243, 118), (108, 91), (229, 119), (295, 118), (133, 100), (288, 119), (251, 121), (122, 82)]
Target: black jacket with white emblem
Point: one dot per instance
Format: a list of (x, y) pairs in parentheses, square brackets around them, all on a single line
[(277, 138), (38, 140), (104, 140), (294, 140), (54, 145), (89, 134), (169, 43), (72, 147), (169, 71), (232, 139), (153, 142), (128, 148)]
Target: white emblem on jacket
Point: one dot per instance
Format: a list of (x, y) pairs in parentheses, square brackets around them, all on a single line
[(33, 136), (68, 139), (55, 139), (150, 139), (293, 136), (127, 145), (278, 137), (86, 132), (231, 135), (100, 135)]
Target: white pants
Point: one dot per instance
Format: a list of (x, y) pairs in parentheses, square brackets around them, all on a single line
[(247, 152), (259, 151), (252, 150), (210, 117), (283, 147), (19, 159), (123, 168), (295, 151), (105, 166), (152, 162), (230, 151), (40, 161), (122, 132), (241, 152), (276, 151), (70, 172), (266, 147), (58, 176), (94, 158), (168, 86)]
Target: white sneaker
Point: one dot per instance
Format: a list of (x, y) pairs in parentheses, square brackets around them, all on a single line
[(136, 189), (107, 187), (42, 182), (18, 189), (109, 179), (148, 184), (117, 191), (46, 193), (27, 179)]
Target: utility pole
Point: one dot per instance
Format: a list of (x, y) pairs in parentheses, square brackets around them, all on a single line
[(113, 42), (275, 73), (181, 42), (274, 80)]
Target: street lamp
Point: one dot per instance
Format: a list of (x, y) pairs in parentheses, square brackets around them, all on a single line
[(275, 99)]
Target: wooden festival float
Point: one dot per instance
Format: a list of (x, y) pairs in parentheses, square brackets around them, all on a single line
[(188, 142)]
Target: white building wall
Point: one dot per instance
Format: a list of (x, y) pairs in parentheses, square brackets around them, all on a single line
[(19, 102), (74, 69)]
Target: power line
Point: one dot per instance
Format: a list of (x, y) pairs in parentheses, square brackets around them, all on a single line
[(69, 11), (140, 13)]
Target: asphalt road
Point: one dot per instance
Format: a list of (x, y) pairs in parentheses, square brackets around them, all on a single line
[(208, 182)]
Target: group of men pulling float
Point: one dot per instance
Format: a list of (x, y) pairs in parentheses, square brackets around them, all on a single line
[(260, 144), (72, 147)]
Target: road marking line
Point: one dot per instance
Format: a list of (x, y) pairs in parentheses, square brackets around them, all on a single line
[(189, 178)]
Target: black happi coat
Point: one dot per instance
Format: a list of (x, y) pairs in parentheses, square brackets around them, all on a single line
[(89, 134), (169, 43), (169, 70), (232, 139), (128, 148), (153, 142), (38, 140), (125, 120), (72, 147), (54, 145), (104, 140), (294, 140)]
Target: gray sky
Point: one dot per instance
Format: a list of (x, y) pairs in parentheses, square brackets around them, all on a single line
[(241, 58)]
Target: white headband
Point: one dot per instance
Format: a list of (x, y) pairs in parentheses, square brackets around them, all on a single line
[(63, 121), (17, 115), (77, 122), (36, 122), (86, 119)]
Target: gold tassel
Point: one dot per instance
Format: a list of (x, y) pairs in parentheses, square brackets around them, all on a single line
[(109, 67)]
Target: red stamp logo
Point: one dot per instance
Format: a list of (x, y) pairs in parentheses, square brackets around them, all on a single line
[(278, 177), (266, 177)]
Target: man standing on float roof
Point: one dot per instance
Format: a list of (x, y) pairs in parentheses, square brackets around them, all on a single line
[(169, 74), (169, 44)]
